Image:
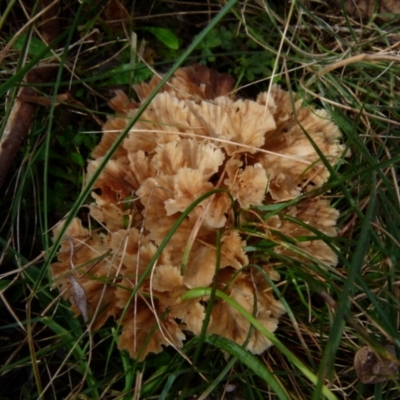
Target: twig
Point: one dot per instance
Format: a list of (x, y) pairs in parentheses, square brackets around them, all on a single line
[(22, 112)]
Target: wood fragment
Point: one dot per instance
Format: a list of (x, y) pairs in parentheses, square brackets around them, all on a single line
[(22, 112), (65, 99), (20, 119)]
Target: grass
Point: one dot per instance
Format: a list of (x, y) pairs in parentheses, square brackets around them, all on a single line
[(345, 66)]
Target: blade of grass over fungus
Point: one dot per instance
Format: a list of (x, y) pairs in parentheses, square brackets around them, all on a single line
[(164, 243), (335, 175), (201, 292), (210, 303), (343, 307), (86, 190), (251, 362)]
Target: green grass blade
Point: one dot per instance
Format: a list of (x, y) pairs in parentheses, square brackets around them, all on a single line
[(344, 302), (251, 362), (201, 292)]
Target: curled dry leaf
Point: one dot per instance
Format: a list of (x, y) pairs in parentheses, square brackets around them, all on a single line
[(192, 139), (373, 369), (79, 297), (78, 292)]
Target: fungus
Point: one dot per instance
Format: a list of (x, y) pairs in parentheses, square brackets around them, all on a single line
[(193, 138)]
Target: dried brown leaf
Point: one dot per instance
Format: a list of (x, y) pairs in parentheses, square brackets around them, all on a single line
[(117, 16), (371, 369)]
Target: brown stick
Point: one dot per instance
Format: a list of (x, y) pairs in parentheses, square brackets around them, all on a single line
[(22, 112)]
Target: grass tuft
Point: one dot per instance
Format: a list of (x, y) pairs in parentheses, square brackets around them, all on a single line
[(347, 66)]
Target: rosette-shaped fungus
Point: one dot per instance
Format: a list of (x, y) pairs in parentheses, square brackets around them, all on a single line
[(193, 138)]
